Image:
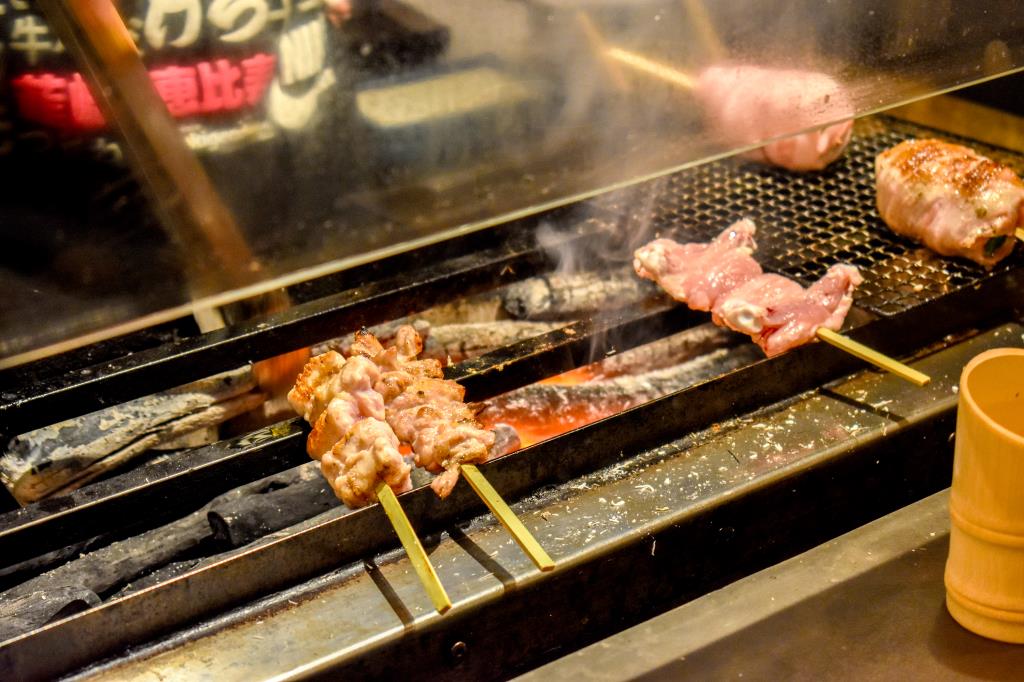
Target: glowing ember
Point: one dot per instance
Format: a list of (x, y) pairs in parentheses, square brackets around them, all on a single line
[(542, 427)]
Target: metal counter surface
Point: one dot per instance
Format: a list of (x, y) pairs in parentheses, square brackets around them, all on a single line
[(868, 605)]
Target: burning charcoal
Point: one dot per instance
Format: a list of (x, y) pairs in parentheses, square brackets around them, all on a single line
[(465, 341), (65, 456), (594, 400), (552, 297), (671, 350)]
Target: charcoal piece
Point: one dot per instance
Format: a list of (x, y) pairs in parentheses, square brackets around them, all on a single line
[(466, 341), (552, 297), (28, 611), (670, 350), (100, 572), (239, 521), (110, 568), (506, 440), (597, 399), (21, 571), (65, 456)]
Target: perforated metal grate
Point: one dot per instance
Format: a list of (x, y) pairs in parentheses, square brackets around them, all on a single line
[(810, 221)]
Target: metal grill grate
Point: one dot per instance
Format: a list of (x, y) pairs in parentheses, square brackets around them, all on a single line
[(810, 221)]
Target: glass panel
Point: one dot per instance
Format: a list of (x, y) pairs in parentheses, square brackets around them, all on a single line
[(335, 131)]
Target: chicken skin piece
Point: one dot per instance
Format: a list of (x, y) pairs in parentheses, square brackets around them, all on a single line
[(949, 198), (698, 274), (314, 386), (746, 104), (779, 314)]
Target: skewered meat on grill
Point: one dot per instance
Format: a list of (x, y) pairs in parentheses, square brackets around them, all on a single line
[(779, 314), (745, 104), (356, 448), (723, 277), (950, 198), (366, 455), (697, 274), (425, 410)]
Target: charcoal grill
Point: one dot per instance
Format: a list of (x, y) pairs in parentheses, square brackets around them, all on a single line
[(909, 303)]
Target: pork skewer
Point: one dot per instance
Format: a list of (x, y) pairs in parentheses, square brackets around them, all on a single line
[(951, 199), (428, 412), (778, 314), (357, 449)]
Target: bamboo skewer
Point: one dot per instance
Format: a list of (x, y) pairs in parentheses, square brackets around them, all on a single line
[(482, 487), (413, 548), (874, 357), (653, 68)]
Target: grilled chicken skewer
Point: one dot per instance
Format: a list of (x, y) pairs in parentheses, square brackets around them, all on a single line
[(354, 445), (745, 104), (777, 313), (357, 450), (951, 199), (428, 412)]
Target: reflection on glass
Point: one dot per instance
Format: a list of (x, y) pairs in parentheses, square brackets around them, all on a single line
[(336, 130)]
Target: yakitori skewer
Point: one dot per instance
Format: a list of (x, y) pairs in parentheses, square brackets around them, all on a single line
[(483, 488), (428, 412), (413, 548), (745, 105), (867, 354), (653, 68), (358, 451), (778, 314)]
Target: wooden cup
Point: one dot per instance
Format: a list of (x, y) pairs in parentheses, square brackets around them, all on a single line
[(985, 570)]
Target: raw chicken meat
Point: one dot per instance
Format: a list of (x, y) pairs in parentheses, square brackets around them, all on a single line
[(698, 274), (779, 314), (746, 104), (949, 198), (723, 277)]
